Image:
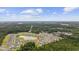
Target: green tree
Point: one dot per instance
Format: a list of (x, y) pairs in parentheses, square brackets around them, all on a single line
[(27, 47)]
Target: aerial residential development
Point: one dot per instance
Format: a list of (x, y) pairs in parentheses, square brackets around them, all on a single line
[(39, 29)]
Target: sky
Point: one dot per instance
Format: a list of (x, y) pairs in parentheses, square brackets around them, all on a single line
[(39, 14)]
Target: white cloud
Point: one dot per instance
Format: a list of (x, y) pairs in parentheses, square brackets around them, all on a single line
[(30, 14), (69, 9), (32, 11), (39, 10), (54, 13), (29, 11), (14, 17), (2, 10)]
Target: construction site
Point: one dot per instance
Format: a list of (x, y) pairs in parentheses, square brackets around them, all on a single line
[(14, 41)]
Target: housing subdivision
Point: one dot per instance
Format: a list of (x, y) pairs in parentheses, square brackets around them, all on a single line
[(12, 42)]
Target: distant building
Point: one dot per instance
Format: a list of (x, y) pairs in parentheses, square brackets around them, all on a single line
[(65, 24), (63, 33)]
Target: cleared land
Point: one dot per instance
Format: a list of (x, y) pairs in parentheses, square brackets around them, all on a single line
[(14, 41)]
